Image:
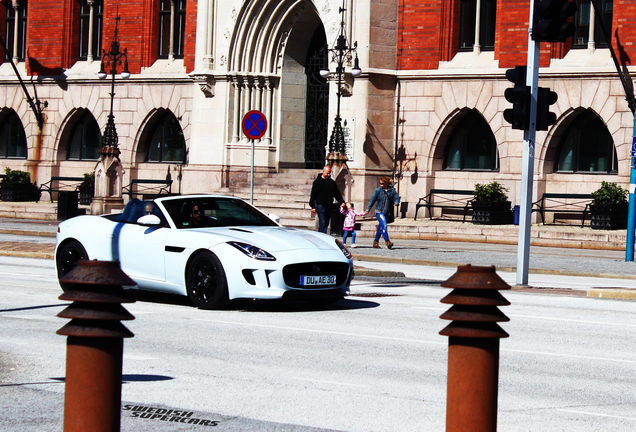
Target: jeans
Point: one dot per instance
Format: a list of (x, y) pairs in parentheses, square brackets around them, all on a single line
[(324, 214), (345, 233), (381, 227)]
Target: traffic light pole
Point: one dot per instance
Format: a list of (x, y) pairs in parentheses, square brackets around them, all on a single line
[(631, 210), (527, 173)]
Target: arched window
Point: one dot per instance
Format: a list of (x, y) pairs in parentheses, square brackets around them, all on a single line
[(13, 142), (472, 146), (586, 146), (86, 139), (166, 142)]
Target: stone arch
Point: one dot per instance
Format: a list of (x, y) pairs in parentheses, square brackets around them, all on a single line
[(436, 155), (557, 133), (64, 133), (267, 50), (9, 115), (144, 134)]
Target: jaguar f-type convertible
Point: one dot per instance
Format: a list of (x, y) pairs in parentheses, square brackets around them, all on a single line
[(211, 248)]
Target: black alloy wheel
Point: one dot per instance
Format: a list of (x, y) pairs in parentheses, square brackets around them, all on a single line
[(205, 281), (67, 258)]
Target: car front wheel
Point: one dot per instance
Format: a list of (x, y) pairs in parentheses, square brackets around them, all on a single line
[(67, 258), (205, 282)]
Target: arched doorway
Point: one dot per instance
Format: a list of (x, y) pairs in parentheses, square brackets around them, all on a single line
[(317, 104), (267, 71)]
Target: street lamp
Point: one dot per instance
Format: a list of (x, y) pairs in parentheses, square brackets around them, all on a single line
[(113, 57), (340, 53)]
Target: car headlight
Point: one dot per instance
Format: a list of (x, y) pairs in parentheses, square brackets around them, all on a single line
[(253, 251), (345, 250)]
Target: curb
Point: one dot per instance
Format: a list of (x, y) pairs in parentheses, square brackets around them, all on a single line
[(27, 233), (365, 272), (414, 261), (27, 254), (612, 293)]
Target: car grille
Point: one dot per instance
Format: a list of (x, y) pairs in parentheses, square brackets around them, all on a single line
[(293, 272)]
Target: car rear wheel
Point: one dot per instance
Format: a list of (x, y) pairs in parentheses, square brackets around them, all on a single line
[(67, 258), (205, 282)]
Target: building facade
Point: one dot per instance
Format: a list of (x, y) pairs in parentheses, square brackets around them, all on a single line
[(428, 108)]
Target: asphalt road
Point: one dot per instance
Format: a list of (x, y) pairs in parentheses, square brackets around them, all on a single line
[(375, 362)]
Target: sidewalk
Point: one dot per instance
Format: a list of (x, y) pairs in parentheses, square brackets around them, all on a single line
[(36, 238), (559, 236)]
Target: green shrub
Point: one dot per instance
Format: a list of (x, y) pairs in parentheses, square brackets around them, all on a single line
[(609, 193), (492, 192), (17, 176), (89, 179)]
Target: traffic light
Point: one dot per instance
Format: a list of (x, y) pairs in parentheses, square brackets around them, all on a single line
[(545, 118), (551, 20), (519, 95)]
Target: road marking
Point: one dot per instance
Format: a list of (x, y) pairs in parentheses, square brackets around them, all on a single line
[(324, 332), (541, 353), (138, 357), (543, 318), (596, 414), (568, 355), (573, 321), (330, 382), (34, 317), (42, 277)]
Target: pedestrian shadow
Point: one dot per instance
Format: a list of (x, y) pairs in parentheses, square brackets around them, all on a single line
[(124, 379), (34, 307), (144, 378)]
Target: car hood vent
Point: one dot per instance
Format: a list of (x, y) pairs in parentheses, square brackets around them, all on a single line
[(242, 230)]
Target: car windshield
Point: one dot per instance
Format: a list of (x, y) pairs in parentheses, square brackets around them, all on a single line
[(214, 212)]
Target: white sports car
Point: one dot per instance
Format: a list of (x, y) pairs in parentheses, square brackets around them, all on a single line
[(211, 248)]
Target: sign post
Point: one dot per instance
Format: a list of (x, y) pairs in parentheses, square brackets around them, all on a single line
[(254, 125)]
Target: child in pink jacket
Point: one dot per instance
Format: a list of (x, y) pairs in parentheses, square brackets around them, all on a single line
[(349, 225)]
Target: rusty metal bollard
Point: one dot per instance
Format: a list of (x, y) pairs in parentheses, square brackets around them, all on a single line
[(473, 348), (94, 348)]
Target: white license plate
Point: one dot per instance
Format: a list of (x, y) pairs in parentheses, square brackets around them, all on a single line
[(318, 280)]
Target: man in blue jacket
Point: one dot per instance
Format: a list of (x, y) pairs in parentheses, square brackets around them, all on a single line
[(323, 192)]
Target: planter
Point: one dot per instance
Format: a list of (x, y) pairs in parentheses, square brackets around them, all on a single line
[(608, 216), (489, 213), (10, 191), (86, 194)]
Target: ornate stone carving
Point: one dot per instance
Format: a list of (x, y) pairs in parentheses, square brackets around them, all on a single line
[(206, 84)]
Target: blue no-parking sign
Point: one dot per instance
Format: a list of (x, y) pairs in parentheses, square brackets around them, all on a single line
[(254, 124)]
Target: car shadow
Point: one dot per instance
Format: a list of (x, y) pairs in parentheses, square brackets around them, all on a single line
[(298, 306), (158, 297), (254, 305)]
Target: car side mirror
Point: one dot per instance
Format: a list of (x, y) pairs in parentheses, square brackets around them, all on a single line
[(274, 217), (149, 220)]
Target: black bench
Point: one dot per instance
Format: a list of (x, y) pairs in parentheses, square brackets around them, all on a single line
[(61, 184), (563, 203), (446, 199), (148, 188)]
